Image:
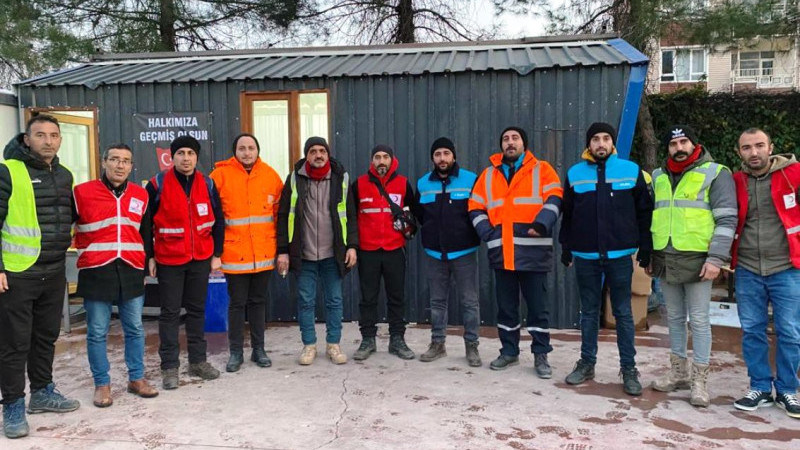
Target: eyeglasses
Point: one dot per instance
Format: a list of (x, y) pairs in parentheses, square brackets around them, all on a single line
[(120, 162)]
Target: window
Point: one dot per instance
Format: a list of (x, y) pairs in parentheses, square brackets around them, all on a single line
[(753, 64), (78, 151), (282, 121), (683, 64)]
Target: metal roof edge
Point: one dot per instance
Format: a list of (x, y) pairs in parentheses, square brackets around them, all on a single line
[(634, 56), (32, 80)]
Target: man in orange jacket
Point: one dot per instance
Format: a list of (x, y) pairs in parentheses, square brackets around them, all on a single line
[(514, 206), (249, 190)]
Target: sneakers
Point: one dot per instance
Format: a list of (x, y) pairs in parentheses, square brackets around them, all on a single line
[(676, 378), (335, 354), (789, 403), (366, 348), (308, 355), (435, 351), (15, 425), (235, 361), (48, 399), (259, 356), (473, 357), (503, 362), (541, 366), (630, 381), (754, 400), (582, 372), (203, 370), (398, 347), (169, 379)]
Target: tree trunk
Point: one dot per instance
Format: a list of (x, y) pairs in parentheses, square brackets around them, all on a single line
[(405, 22), (166, 26), (648, 134)]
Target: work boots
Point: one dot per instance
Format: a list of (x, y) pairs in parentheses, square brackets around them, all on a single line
[(473, 357), (335, 354), (630, 381), (259, 356), (398, 347), (203, 370), (676, 378), (366, 348), (435, 351), (700, 395), (542, 366), (169, 379), (235, 361), (308, 355), (583, 371)]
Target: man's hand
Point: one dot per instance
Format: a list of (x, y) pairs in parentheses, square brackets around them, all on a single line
[(350, 258), (216, 263), (649, 270), (151, 266), (709, 272), (532, 232), (3, 282), (283, 264)]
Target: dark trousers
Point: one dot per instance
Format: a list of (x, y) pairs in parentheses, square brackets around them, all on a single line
[(247, 290), (618, 273), (182, 286), (391, 266), (30, 320), (464, 271), (533, 285)]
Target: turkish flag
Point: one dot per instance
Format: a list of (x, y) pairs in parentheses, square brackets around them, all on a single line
[(164, 158)]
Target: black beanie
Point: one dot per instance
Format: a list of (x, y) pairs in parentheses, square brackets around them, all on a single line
[(382, 148), (236, 142), (679, 131), (521, 132), (443, 142), (601, 127), (315, 140), (184, 141)]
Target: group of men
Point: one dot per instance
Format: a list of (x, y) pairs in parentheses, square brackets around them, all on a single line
[(244, 220)]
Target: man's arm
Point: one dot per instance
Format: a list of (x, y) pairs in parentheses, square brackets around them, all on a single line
[(722, 199), (282, 227), (218, 230), (644, 218), (5, 195), (146, 229), (352, 218), (551, 193), (478, 210)]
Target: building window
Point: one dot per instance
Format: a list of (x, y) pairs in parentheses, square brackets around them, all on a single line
[(753, 64), (282, 121), (683, 64)]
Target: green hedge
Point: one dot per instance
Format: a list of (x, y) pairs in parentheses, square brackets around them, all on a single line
[(718, 119)]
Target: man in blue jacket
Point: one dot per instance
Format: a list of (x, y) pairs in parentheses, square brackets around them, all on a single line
[(607, 213), (451, 243)]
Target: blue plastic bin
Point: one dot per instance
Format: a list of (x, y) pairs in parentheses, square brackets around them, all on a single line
[(217, 305)]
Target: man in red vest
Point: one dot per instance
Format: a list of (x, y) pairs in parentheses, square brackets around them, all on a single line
[(381, 251), (188, 231), (111, 260), (766, 254)]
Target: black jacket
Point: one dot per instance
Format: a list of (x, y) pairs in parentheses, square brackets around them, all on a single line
[(52, 188), (294, 249)]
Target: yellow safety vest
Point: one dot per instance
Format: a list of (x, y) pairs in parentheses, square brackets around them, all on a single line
[(684, 216), (22, 238), (341, 207)]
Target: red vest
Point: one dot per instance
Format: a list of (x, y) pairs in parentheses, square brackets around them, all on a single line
[(785, 182), (108, 227), (181, 226), (375, 230)]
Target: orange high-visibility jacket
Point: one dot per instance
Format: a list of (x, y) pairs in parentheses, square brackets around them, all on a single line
[(250, 205), (502, 213)]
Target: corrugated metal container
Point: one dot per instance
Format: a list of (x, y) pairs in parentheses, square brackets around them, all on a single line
[(404, 96)]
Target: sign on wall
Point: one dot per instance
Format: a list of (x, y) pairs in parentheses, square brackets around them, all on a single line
[(154, 132)]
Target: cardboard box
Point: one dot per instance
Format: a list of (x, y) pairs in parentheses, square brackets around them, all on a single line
[(638, 307), (641, 284)]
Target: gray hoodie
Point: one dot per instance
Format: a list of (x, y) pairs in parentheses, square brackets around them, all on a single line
[(763, 247)]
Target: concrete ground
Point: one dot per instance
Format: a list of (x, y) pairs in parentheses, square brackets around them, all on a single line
[(386, 402)]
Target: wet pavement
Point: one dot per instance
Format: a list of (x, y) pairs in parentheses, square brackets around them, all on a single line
[(386, 402)]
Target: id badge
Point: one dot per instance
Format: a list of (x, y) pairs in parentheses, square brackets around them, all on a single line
[(789, 200), (202, 209)]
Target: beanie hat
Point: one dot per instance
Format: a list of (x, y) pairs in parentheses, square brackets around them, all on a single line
[(521, 132), (382, 148), (443, 142), (184, 141), (601, 127), (680, 131), (315, 140), (236, 142)]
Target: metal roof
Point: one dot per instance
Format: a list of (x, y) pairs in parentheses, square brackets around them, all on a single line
[(522, 56)]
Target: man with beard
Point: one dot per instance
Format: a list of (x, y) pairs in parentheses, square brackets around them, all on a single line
[(694, 221), (317, 240), (766, 254), (451, 243), (607, 210), (381, 250), (514, 206), (249, 190)]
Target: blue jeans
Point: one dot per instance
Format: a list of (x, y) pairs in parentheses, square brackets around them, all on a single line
[(464, 271), (326, 271), (753, 293), (618, 273), (98, 319), (692, 299)]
